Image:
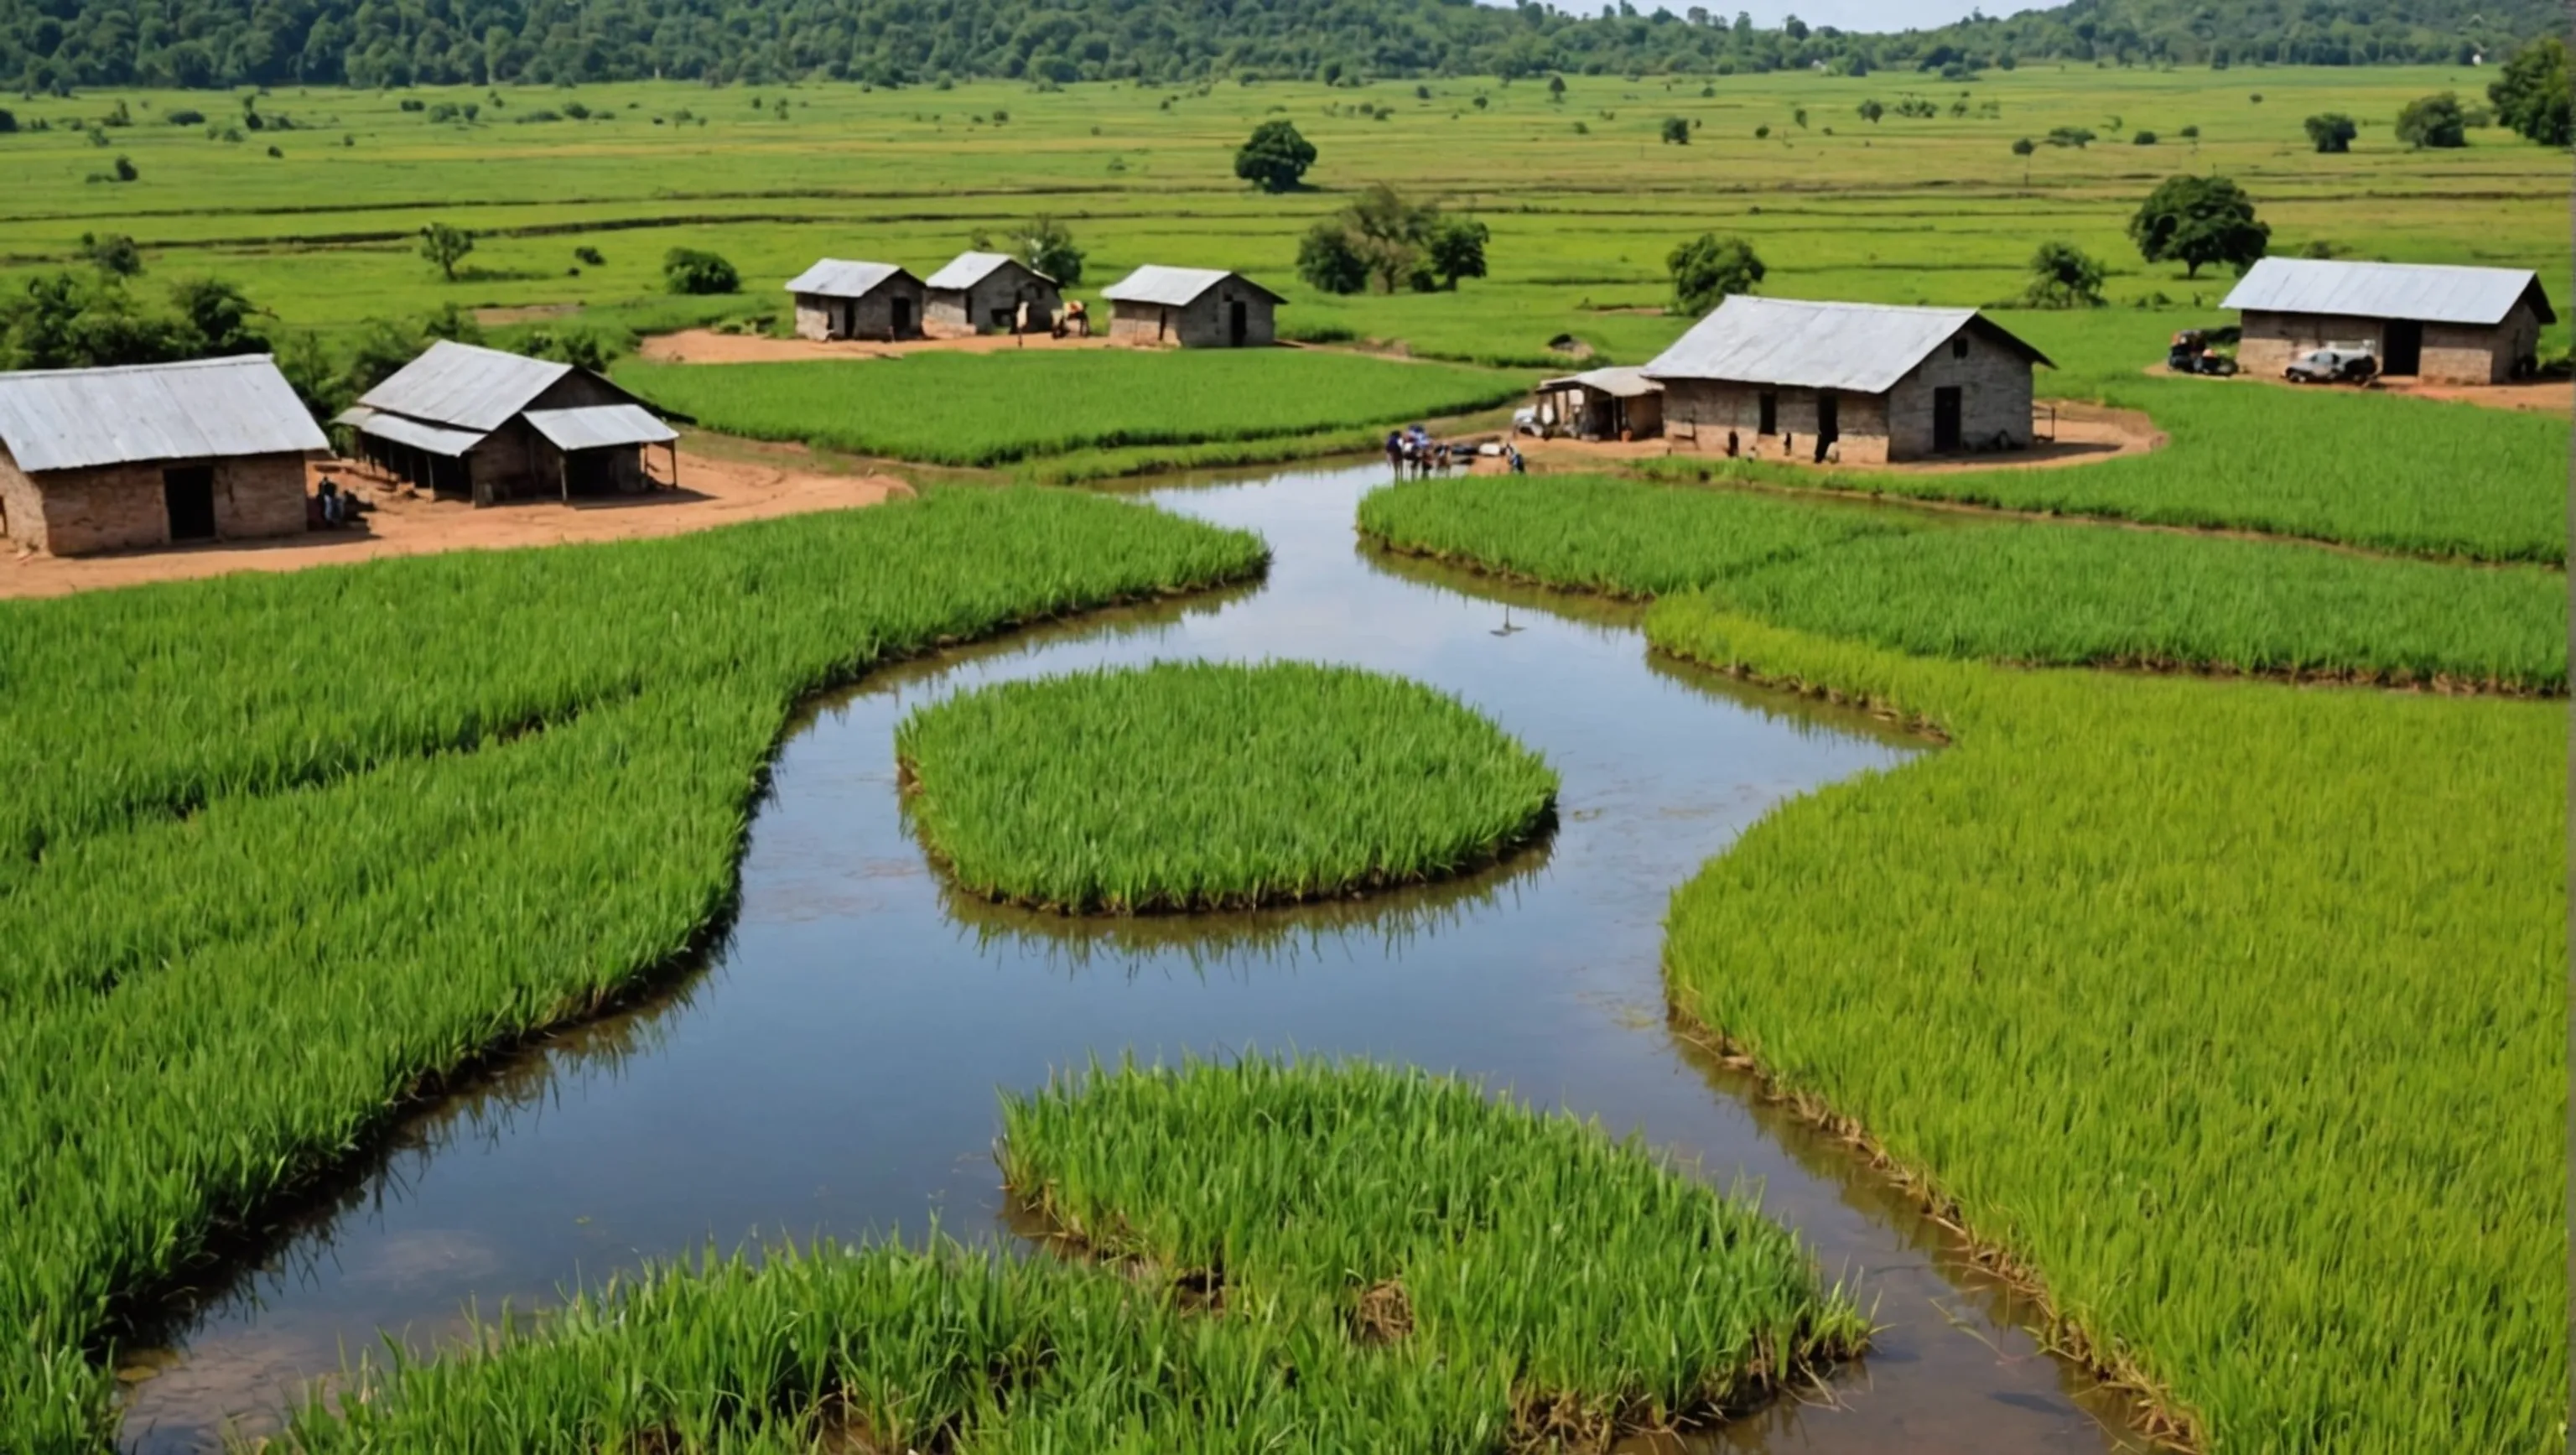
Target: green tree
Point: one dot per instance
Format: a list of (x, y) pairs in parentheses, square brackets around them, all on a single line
[(2532, 97), (125, 171), (1556, 88), (1708, 269), (2062, 275), (2196, 221), (1329, 259), (1047, 246), (8, 121), (446, 246), (1871, 111), (2433, 121), (2332, 132), (1456, 249), (1275, 158), (112, 253), (1389, 229), (1676, 131), (215, 319), (2024, 146), (695, 271)]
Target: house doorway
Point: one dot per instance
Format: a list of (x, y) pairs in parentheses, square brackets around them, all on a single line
[(189, 493), (1238, 323), (1945, 420), (1829, 421), (901, 311), (2403, 348)]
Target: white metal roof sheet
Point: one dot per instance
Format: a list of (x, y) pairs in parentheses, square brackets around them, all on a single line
[(1173, 287), (75, 419), (465, 386), (438, 439), (968, 269), (2429, 293), (1861, 347), (841, 278), (601, 426), (1620, 383)]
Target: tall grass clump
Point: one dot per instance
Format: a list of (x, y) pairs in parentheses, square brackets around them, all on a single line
[(1264, 1256), (250, 884), (997, 409), (2233, 1015), (2043, 593), (1192, 785)]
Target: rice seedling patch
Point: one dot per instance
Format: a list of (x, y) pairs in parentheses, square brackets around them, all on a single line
[(1193, 785)]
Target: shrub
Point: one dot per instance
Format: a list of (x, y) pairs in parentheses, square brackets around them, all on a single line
[(1676, 131), (694, 271), (2433, 121), (2332, 132), (1707, 269), (2063, 276), (185, 116)]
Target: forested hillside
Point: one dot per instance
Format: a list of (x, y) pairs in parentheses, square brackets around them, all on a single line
[(51, 45)]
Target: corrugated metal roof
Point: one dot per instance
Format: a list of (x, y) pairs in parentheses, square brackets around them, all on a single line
[(1174, 287), (2429, 293), (1619, 383), (465, 385), (436, 438), (1862, 347), (206, 409), (601, 426), (841, 278), (968, 269)]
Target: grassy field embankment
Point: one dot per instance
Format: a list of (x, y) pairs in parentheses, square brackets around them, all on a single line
[(1252, 1271), (2230, 1014), (1201, 785), (256, 848)]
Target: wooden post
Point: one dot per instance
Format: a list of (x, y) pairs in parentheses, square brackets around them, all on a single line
[(563, 474)]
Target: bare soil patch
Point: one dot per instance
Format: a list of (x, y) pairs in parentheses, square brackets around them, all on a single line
[(524, 313), (2531, 396), (712, 492), (2086, 434)]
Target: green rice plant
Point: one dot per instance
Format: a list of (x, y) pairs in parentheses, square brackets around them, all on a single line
[(2233, 1015), (994, 409), (1304, 782), (259, 860), (1252, 1270), (2019, 592)]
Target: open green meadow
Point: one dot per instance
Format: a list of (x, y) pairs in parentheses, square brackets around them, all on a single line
[(1303, 782)]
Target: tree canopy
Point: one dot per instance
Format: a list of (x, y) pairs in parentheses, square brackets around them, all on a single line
[(1707, 269), (2332, 131), (2433, 121), (1275, 157), (1397, 240), (2533, 96), (2197, 221)]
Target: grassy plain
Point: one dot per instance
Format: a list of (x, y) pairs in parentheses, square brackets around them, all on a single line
[(1251, 1272), (961, 409), (2235, 1013), (2062, 594), (1193, 785), (280, 835)]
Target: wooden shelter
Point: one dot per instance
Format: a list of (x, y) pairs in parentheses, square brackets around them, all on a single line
[(1861, 383), (152, 454), (485, 425), (1192, 307), (2446, 324), (837, 298), (1602, 404), (984, 293)]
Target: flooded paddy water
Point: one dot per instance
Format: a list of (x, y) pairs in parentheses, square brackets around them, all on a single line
[(833, 1070)]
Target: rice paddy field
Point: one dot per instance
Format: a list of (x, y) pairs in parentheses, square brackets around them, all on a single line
[(1200, 785)]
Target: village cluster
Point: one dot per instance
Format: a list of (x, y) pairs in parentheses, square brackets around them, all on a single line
[(149, 456)]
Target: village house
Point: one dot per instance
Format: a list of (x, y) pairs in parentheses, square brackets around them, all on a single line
[(984, 292), (838, 299), (152, 454), (485, 425), (1602, 404), (2449, 325), (1861, 383), (1192, 307)]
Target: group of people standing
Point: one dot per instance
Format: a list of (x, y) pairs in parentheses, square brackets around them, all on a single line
[(1412, 453)]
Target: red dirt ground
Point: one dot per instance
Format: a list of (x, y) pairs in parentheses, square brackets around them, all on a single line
[(2539, 396), (2086, 433)]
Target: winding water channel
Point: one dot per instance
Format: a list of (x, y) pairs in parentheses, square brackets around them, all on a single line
[(833, 1070)]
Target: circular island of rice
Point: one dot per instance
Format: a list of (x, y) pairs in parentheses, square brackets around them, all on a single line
[(1204, 785)]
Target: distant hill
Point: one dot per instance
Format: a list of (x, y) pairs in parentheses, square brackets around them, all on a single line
[(48, 45)]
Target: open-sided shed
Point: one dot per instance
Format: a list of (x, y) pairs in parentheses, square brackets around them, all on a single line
[(837, 298), (2452, 325), (1603, 404), (1860, 382), (489, 425), (1192, 307), (984, 292), (150, 454)]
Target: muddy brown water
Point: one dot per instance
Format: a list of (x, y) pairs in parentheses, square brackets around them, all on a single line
[(833, 1069)]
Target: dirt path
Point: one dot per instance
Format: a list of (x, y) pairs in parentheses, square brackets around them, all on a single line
[(2086, 434), (706, 346), (713, 492), (2536, 396)]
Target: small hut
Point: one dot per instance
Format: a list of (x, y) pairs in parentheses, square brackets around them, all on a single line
[(1859, 382), (836, 298), (152, 454), (2446, 324), (489, 426), (983, 292), (1602, 404), (1192, 307)]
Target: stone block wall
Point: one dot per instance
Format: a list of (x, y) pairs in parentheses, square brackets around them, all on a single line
[(1699, 414), (1994, 398)]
